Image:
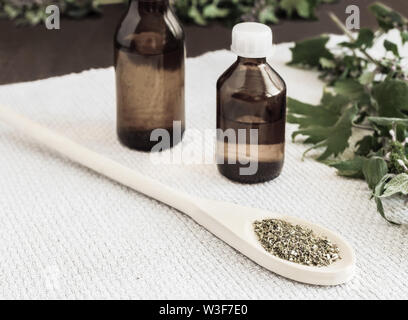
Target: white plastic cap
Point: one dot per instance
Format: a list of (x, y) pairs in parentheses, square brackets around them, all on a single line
[(252, 40)]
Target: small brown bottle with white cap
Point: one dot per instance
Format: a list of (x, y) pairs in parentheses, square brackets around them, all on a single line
[(251, 110)]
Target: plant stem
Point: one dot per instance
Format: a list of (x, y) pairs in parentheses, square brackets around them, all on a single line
[(358, 126), (347, 32), (343, 28), (110, 2)]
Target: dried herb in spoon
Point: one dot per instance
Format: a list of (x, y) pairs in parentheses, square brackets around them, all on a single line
[(295, 243)]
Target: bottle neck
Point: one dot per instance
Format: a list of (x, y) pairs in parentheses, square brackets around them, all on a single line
[(150, 6), (254, 61)]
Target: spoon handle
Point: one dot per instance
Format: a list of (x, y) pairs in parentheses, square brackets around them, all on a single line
[(98, 163)]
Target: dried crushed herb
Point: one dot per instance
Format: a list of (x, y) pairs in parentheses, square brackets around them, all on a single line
[(295, 243)]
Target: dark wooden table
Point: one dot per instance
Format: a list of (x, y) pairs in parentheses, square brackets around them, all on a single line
[(31, 53)]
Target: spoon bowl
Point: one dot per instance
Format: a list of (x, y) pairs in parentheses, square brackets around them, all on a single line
[(234, 224)]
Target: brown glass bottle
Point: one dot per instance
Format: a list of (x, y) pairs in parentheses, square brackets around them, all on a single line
[(251, 95), (149, 65)]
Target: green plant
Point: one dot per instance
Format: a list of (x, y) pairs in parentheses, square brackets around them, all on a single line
[(363, 94), (199, 12), (233, 11)]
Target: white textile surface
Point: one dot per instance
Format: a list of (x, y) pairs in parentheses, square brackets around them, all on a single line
[(66, 232)]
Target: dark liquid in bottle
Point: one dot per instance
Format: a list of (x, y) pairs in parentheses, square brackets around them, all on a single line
[(269, 154), (150, 95), (149, 65), (251, 96)]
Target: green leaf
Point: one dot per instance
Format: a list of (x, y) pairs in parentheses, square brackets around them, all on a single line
[(391, 46), (334, 139), (11, 11), (392, 98), (327, 64), (367, 78), (349, 168), (365, 40), (366, 145), (212, 11), (374, 169), (382, 121), (33, 17), (387, 18), (302, 7), (327, 114), (378, 191), (352, 89), (267, 15), (196, 15), (309, 52), (335, 103), (404, 37), (397, 185)]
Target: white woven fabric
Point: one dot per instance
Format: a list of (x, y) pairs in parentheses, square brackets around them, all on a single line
[(66, 232)]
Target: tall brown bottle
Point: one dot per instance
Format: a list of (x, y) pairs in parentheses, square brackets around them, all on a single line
[(149, 65), (251, 96)]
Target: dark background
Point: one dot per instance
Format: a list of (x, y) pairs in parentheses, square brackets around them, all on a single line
[(31, 53)]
